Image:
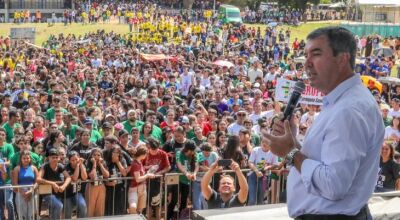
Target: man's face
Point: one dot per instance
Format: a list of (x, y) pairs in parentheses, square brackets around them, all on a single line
[(385, 112), (226, 186), (2, 136), (132, 116), (241, 116), (322, 66)]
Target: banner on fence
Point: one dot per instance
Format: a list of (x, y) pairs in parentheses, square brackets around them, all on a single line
[(284, 89)]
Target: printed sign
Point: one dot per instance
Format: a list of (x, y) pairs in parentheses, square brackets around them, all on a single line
[(284, 89)]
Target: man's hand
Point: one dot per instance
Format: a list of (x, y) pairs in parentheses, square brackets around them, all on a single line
[(281, 140), (235, 166)]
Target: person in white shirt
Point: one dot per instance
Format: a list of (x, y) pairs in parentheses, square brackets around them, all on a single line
[(235, 127), (392, 132), (261, 160), (309, 117), (255, 71), (257, 114), (395, 110), (334, 172)]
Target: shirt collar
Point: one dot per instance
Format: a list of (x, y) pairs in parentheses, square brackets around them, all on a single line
[(340, 89)]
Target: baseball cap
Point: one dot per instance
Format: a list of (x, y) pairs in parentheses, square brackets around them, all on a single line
[(52, 152), (183, 120), (122, 133), (106, 125), (88, 120)]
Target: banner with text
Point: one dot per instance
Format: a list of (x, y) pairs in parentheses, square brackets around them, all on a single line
[(284, 89)]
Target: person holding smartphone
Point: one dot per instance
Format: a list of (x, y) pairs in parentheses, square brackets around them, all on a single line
[(225, 197)]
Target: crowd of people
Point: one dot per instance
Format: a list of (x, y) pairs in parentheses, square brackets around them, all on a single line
[(95, 117)]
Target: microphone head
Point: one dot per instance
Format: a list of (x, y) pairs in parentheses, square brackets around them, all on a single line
[(299, 87)]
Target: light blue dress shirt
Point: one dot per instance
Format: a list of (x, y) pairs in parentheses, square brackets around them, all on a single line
[(343, 149)]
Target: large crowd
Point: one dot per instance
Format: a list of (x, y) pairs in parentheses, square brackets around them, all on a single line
[(96, 117)]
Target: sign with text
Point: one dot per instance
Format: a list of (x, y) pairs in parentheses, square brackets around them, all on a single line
[(309, 96)]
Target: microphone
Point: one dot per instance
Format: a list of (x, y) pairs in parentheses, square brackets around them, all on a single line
[(294, 99)]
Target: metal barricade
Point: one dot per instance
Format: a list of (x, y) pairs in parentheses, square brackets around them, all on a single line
[(22, 203), (158, 202)]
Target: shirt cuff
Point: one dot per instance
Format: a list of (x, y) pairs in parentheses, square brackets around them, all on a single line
[(307, 170)]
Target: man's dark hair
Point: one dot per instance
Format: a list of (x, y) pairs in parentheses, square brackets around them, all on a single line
[(340, 40)]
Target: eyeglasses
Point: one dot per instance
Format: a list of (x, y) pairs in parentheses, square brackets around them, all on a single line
[(241, 115)]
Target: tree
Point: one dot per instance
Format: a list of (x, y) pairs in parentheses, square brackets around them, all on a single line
[(187, 4)]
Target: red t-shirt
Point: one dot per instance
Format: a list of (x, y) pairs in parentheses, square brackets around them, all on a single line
[(135, 167), (173, 126), (37, 135), (160, 159)]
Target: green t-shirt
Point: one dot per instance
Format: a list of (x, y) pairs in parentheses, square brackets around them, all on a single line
[(181, 158), (128, 127), (156, 133), (190, 134), (163, 110), (10, 131), (51, 112), (95, 136), (6, 153), (70, 133), (36, 161), (255, 140)]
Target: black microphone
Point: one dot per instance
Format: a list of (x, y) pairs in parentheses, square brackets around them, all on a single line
[(294, 99)]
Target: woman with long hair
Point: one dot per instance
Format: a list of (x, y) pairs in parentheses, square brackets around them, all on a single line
[(393, 132), (77, 171), (220, 142), (117, 167), (137, 193), (170, 121), (56, 140), (25, 174), (95, 193), (232, 151), (389, 172)]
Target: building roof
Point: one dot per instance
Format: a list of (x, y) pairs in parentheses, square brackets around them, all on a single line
[(379, 2)]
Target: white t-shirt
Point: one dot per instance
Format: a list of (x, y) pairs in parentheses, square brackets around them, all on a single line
[(234, 128), (308, 119), (394, 113), (389, 131), (253, 74), (259, 158)]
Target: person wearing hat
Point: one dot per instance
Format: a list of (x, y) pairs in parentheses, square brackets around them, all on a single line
[(387, 119), (94, 134), (54, 174), (89, 102), (107, 129), (68, 128), (235, 127), (132, 121)]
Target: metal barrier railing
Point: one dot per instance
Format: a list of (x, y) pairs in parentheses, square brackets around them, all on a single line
[(156, 202)]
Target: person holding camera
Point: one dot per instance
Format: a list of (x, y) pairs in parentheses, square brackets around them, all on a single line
[(225, 197)]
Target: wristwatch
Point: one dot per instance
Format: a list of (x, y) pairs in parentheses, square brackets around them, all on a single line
[(289, 159)]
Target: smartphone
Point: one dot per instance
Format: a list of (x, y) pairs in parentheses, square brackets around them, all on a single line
[(224, 162)]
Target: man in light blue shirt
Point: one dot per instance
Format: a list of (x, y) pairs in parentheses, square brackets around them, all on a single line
[(335, 171)]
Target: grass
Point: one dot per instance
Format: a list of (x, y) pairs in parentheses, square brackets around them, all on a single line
[(300, 31), (43, 31)]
